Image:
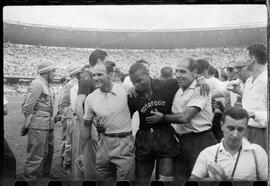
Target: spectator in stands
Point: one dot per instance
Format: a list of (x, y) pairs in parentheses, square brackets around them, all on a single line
[(166, 73), (219, 162)]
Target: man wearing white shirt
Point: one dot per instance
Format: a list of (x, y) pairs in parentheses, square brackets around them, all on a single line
[(254, 98), (228, 160), (115, 157)]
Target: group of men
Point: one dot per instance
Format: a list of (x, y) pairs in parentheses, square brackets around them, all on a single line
[(175, 123)]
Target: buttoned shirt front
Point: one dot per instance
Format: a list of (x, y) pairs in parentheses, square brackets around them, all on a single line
[(246, 166), (255, 100), (110, 109), (191, 97)]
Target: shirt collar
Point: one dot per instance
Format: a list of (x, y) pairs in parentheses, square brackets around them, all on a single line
[(113, 90), (263, 75), (192, 86), (43, 80), (246, 145)]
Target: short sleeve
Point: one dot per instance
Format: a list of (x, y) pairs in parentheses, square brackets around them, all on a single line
[(200, 169), (262, 162), (89, 112), (198, 100), (86, 86)]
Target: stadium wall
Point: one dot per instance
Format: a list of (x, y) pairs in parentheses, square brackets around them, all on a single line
[(119, 39)]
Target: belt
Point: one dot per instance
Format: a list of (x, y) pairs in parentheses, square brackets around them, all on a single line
[(119, 135)]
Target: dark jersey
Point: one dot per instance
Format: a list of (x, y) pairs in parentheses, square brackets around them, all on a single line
[(162, 99), (86, 85)]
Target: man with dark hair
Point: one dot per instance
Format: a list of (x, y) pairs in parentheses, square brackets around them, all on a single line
[(108, 103), (85, 87), (254, 96), (166, 73), (202, 66), (96, 56), (228, 159), (153, 141), (191, 118)]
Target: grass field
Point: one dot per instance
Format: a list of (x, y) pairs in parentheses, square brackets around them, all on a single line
[(18, 144), (12, 127)]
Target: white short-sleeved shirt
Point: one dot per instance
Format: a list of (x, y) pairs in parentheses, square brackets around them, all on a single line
[(202, 121), (255, 100), (246, 167), (110, 109)]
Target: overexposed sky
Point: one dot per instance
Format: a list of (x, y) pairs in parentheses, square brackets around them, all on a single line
[(146, 17)]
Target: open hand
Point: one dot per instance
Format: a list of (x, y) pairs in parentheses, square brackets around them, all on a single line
[(155, 118)]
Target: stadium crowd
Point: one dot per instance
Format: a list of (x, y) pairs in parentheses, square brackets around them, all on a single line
[(201, 113), (21, 60)]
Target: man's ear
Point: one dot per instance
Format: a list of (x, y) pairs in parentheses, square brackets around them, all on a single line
[(222, 125)]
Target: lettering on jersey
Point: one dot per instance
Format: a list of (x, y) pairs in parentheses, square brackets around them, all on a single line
[(152, 104)]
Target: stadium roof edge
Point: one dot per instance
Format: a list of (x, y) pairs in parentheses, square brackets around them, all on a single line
[(227, 27)]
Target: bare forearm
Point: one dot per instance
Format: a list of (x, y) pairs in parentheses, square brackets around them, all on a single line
[(79, 112), (85, 132), (178, 118)]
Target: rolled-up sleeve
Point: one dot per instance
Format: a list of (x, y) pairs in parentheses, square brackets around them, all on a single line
[(34, 92)]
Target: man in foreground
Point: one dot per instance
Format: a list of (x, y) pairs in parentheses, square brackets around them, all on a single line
[(108, 103), (234, 158)]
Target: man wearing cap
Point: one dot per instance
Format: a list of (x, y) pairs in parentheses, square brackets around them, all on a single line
[(67, 117), (38, 109)]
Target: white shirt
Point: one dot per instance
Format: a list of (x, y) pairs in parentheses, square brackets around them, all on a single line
[(110, 109), (255, 100), (217, 87), (202, 121), (246, 167)]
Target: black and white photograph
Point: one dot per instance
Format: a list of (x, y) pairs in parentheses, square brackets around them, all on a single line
[(137, 93)]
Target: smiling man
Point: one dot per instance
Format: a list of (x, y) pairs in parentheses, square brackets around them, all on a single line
[(191, 116), (108, 104), (234, 158)]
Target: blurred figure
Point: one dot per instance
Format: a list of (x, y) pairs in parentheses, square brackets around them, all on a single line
[(166, 73), (38, 110), (67, 118), (9, 167)]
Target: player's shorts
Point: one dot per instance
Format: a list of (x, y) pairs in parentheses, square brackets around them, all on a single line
[(156, 143)]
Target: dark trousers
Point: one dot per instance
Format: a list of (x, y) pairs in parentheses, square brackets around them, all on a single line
[(9, 168), (191, 145)]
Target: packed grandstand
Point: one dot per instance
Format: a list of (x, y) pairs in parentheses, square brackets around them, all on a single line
[(22, 49)]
